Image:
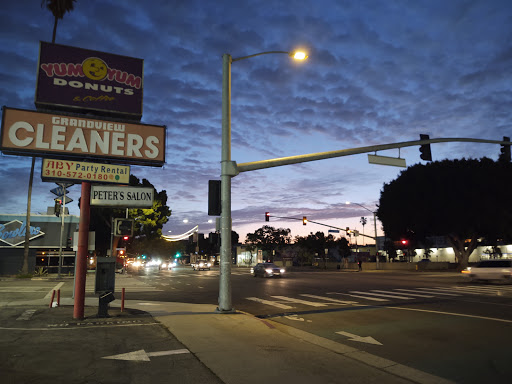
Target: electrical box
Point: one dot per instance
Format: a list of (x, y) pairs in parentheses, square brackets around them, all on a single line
[(105, 274)]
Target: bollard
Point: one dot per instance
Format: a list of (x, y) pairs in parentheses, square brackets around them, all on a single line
[(53, 296), (122, 299), (58, 298)]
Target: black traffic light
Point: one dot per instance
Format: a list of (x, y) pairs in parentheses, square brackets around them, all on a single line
[(214, 200), (426, 154), (304, 220), (267, 216), (505, 150), (57, 208), (69, 243)]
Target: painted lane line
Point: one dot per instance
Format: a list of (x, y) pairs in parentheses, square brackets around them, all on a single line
[(437, 291), (412, 294), (268, 302), (328, 299), (57, 287), (299, 301), (382, 295), (452, 314), (364, 297)]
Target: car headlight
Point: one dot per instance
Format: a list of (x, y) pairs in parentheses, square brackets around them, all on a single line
[(208, 265), (268, 270), (164, 265), (281, 270), (467, 270), (136, 264), (252, 270)]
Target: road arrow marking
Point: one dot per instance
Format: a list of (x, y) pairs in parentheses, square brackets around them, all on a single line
[(367, 339), (142, 355)]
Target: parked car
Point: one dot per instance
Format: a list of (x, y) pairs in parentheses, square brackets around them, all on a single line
[(267, 270), (201, 264), (488, 270)]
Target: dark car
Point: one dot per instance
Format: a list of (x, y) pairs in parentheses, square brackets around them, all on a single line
[(267, 270)]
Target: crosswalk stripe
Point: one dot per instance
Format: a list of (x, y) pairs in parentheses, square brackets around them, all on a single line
[(305, 302), (412, 294), (436, 291), (365, 297), (479, 291), (268, 302), (383, 295), (328, 299)]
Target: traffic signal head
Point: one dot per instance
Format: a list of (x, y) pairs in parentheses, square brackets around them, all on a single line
[(267, 216), (425, 153), (404, 242), (58, 207), (505, 150), (126, 237), (304, 220), (178, 255)]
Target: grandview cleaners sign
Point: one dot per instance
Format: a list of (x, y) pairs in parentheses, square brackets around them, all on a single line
[(50, 134), (125, 197)]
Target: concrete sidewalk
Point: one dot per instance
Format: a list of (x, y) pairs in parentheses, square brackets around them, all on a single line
[(239, 348)]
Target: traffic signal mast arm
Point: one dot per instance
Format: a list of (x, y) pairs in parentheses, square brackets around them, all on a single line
[(235, 169), (316, 222)]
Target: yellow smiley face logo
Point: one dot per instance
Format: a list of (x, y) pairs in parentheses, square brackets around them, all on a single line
[(94, 68)]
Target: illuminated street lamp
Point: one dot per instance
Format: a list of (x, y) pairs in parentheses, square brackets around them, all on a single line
[(374, 228), (228, 170)]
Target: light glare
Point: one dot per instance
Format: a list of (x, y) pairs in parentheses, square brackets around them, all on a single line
[(299, 55)]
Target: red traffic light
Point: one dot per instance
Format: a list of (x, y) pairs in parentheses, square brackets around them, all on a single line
[(404, 242), (126, 237), (267, 216)]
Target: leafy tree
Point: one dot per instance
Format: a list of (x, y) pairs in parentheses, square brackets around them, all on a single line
[(463, 200), (268, 238)]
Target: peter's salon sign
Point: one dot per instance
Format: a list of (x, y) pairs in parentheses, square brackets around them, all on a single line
[(34, 133), (81, 79)]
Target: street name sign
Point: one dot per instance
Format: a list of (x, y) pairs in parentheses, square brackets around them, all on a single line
[(125, 197), (385, 160)]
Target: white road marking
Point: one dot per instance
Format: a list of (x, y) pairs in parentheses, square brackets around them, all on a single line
[(142, 355), (49, 294), (437, 291), (412, 294), (299, 301), (27, 314), (365, 297), (362, 339), (329, 299), (382, 295), (268, 302), (452, 314)]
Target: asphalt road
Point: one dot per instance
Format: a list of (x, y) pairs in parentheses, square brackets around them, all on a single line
[(434, 322)]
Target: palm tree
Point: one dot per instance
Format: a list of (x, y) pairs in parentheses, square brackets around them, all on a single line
[(58, 8)]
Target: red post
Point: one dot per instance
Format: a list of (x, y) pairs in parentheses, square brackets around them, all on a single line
[(51, 300), (122, 299), (58, 298), (81, 255)]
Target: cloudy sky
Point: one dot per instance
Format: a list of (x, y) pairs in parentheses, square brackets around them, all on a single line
[(378, 72)]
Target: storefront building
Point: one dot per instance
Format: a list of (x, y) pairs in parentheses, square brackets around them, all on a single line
[(44, 242)]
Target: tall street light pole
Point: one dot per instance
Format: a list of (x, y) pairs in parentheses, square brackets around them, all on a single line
[(374, 228), (228, 170)]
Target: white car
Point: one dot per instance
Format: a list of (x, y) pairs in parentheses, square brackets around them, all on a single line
[(500, 270), (201, 264)]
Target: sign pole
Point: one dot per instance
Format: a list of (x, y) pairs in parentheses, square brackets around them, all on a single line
[(61, 232), (81, 255)]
